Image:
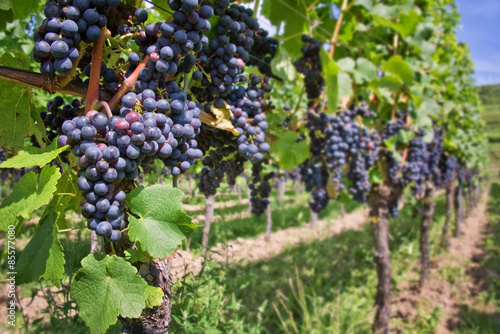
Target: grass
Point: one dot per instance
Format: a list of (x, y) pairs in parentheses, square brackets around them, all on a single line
[(251, 227), (483, 316), (327, 286)]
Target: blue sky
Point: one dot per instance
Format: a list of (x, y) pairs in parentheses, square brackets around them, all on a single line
[(480, 29)]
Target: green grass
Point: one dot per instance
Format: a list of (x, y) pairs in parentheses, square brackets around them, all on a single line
[(484, 315), (326, 286), (251, 227)]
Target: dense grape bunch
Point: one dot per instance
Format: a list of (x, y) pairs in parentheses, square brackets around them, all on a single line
[(310, 66), (66, 24), (110, 150), (337, 141), (391, 129), (260, 188), (57, 112), (414, 168), (223, 85), (448, 168)]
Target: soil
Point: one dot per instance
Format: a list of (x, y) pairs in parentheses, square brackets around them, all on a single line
[(250, 250), (449, 293)]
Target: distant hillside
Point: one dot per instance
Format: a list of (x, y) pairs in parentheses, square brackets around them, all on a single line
[(489, 94)]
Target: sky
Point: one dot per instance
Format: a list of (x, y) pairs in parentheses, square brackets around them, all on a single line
[(480, 29)]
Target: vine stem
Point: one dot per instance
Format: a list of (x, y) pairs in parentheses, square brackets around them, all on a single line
[(128, 83), (72, 229), (107, 108), (174, 182), (333, 41), (186, 82), (34, 80), (256, 8), (95, 72), (337, 28)]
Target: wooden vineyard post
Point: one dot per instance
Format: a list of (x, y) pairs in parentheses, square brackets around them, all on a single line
[(209, 206), (342, 211), (239, 193), (95, 243), (281, 190), (459, 210), (269, 224), (450, 195), (314, 218), (425, 230)]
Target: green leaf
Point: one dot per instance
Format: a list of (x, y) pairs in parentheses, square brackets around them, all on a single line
[(292, 14), (345, 85), (397, 66), (154, 296), (330, 73), (23, 8), (43, 257), (34, 156), (282, 66), (105, 288), (291, 153), (135, 255), (15, 103), (5, 4), (406, 25), (366, 69), (376, 177), (391, 82), (405, 136), (346, 64), (368, 4), (162, 222), (28, 195)]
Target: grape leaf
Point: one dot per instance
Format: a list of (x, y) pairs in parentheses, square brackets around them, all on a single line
[(162, 222), (221, 120), (43, 257), (106, 287), (291, 153), (283, 67), (16, 105), (34, 156), (29, 195), (366, 70), (5, 4), (397, 66), (330, 73), (154, 296)]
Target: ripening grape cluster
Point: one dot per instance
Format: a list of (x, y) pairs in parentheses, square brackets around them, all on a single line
[(338, 140), (66, 24), (226, 87), (57, 112), (310, 66), (260, 188), (174, 65)]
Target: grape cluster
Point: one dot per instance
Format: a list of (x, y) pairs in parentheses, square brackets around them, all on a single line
[(448, 168), (315, 176), (391, 129), (310, 66), (57, 112), (110, 150), (415, 166), (66, 24), (260, 188), (337, 140)]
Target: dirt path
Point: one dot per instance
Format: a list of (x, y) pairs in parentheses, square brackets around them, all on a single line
[(448, 291), (250, 250)]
